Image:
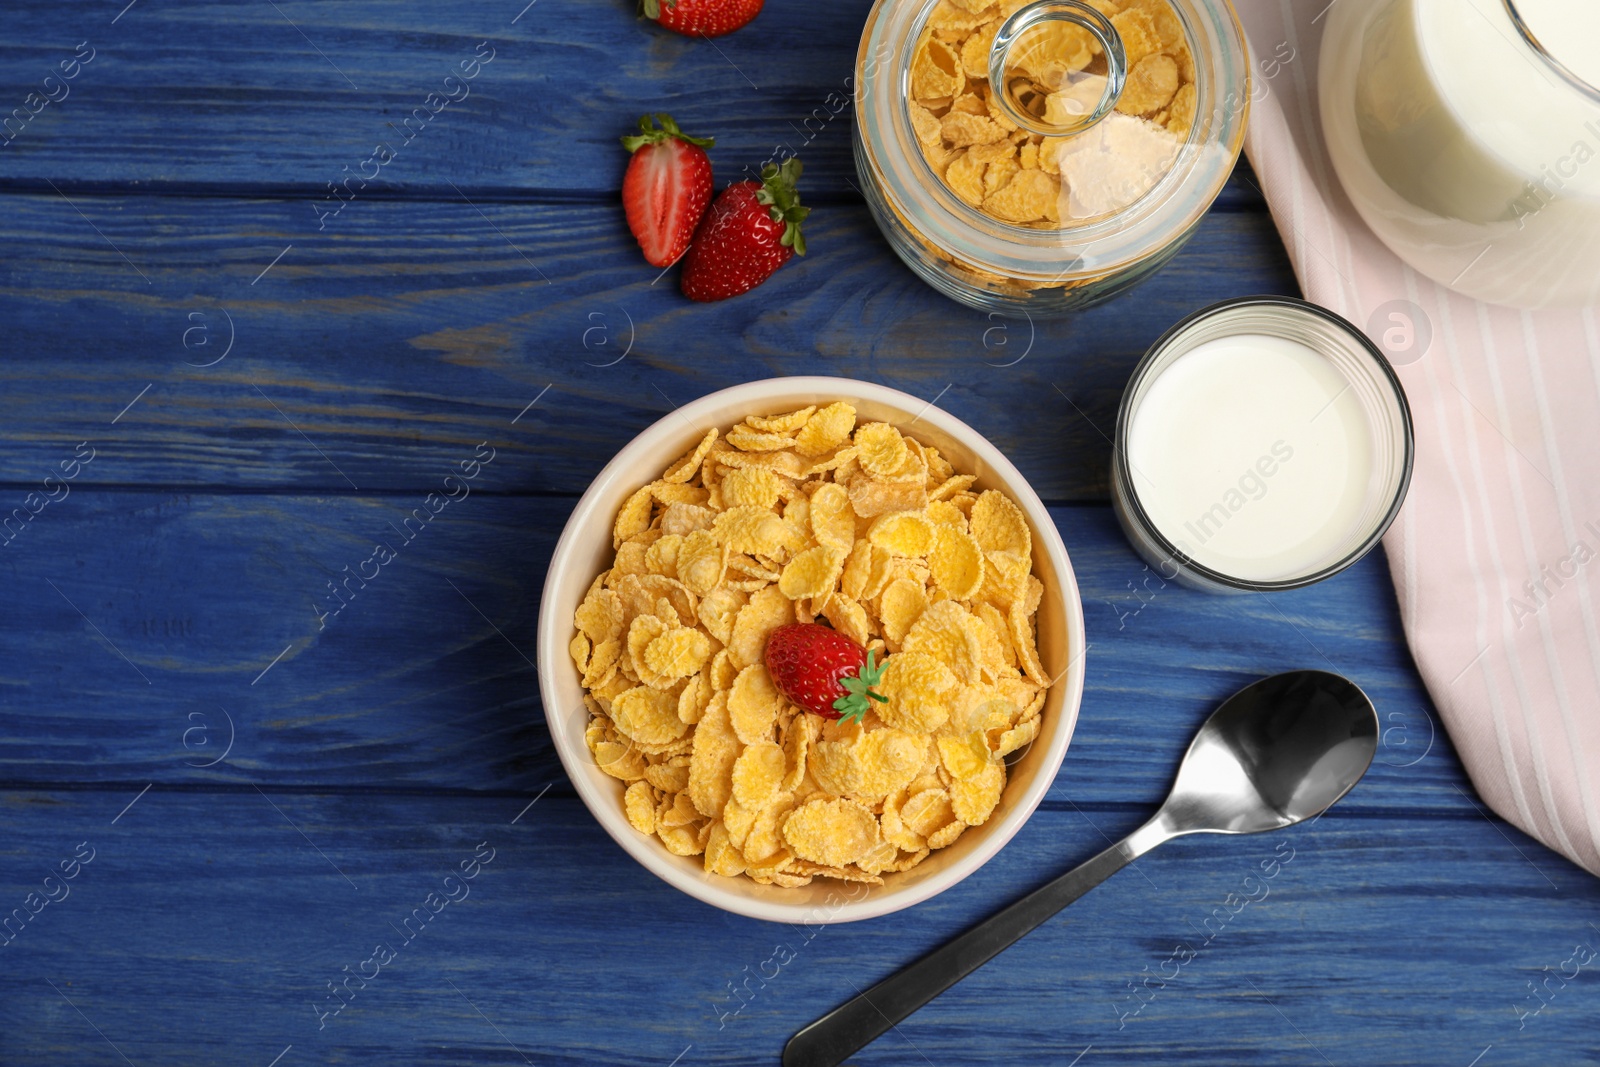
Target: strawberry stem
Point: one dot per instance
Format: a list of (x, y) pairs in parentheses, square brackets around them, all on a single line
[(648, 134), (783, 201), (853, 706), (651, 9)]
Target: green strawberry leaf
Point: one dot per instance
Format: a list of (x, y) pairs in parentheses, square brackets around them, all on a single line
[(782, 200), (648, 134), (858, 698)]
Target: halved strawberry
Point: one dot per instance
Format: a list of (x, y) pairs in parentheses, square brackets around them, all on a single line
[(823, 671), (751, 230), (666, 188), (701, 18)]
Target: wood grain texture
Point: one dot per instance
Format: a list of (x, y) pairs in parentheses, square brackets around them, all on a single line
[(425, 679), (481, 290), (207, 926), (373, 359)]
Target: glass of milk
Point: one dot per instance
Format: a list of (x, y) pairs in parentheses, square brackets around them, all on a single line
[(1262, 444), (1467, 134)]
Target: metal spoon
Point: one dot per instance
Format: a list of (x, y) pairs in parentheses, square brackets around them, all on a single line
[(1279, 751)]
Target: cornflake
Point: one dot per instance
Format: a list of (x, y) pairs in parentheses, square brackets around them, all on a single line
[(812, 515), (1058, 73)]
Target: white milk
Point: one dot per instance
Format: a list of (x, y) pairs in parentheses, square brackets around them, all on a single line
[(1569, 30), (1252, 454), (1463, 148)]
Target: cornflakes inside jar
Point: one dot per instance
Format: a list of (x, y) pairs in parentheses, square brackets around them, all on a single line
[(1037, 157)]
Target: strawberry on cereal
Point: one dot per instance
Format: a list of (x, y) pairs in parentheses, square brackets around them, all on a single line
[(815, 649)]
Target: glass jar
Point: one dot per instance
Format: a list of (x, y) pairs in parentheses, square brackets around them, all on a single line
[(1468, 138), (1078, 92)]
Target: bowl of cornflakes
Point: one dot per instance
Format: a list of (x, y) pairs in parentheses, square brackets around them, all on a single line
[(817, 507)]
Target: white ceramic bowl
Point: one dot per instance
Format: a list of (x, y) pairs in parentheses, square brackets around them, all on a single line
[(585, 550)]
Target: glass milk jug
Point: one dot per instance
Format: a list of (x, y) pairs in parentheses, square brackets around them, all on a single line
[(1467, 134)]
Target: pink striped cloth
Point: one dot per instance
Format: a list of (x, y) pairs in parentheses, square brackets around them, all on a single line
[(1496, 555)]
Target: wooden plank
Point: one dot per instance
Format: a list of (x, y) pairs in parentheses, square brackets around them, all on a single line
[(424, 680), (250, 98), (373, 358), (208, 924)]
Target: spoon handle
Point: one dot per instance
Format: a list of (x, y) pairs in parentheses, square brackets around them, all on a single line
[(826, 1042)]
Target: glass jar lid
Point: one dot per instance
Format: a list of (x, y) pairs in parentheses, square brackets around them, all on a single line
[(1054, 141)]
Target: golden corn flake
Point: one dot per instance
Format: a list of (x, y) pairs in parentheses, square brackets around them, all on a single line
[(767, 610), (757, 774), (1017, 738), (634, 518), (620, 760), (763, 845), (936, 71), (788, 423), (721, 855), (807, 515), (880, 448), (946, 836), (1180, 115), (998, 525), (872, 497), (926, 127), (831, 832), (670, 777), (723, 672), (711, 763), (833, 522), (680, 840), (1139, 34), (888, 760), (640, 805), (649, 716), (829, 428), (751, 529), (964, 756), (1029, 196), (753, 704), (686, 467), (754, 441), (899, 607), (692, 700), (927, 812), (813, 573), (1151, 85), (944, 632), (677, 653), (600, 615), (797, 742), (849, 618), (754, 487), (903, 533), (974, 798), (956, 561)]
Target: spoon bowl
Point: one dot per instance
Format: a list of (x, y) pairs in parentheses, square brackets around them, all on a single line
[(1278, 752)]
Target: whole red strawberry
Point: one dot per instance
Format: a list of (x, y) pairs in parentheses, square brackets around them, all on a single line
[(701, 18), (823, 671), (751, 230), (666, 188)]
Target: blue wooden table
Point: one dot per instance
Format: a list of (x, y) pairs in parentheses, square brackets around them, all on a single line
[(217, 803)]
